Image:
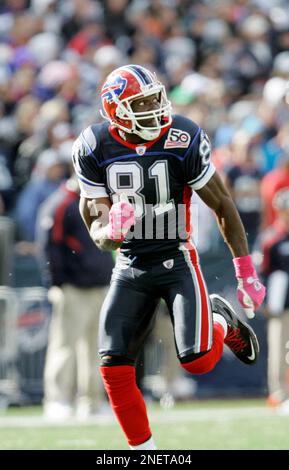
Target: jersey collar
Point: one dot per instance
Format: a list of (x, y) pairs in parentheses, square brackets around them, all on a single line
[(145, 145)]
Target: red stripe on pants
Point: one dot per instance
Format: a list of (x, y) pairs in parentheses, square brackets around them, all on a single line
[(205, 312)]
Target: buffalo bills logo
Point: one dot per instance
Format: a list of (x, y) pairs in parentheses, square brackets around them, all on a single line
[(115, 87)]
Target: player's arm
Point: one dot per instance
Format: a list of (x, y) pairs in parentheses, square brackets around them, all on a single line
[(217, 197), (201, 176), (250, 291), (94, 213), (107, 224)]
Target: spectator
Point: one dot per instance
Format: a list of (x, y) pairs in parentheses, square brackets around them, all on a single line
[(275, 268), (273, 149), (270, 185), (51, 171), (115, 18), (243, 179), (78, 273)]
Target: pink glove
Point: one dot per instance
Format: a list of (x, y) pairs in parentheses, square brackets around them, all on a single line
[(121, 218), (250, 290)]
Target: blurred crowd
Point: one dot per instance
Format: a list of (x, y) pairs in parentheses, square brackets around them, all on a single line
[(225, 64)]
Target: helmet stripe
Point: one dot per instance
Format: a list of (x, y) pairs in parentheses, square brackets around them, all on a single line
[(130, 69), (147, 73), (141, 72)]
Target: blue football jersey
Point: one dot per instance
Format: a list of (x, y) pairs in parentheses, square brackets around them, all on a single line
[(158, 178)]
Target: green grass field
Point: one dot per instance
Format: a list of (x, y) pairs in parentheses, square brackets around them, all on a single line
[(203, 425)]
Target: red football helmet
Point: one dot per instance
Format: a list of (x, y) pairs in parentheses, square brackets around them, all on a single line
[(127, 84)]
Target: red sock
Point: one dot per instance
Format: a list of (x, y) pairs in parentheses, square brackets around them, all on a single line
[(207, 362), (127, 402)]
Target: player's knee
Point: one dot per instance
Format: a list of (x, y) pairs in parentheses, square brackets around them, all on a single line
[(200, 363), (118, 375), (109, 361)]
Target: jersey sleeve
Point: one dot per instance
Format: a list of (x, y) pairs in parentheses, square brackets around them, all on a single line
[(198, 165), (89, 174)]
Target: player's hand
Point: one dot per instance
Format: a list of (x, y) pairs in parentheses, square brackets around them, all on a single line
[(250, 290), (121, 218)]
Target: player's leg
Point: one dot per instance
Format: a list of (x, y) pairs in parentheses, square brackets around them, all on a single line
[(199, 339), (201, 324), (125, 320)]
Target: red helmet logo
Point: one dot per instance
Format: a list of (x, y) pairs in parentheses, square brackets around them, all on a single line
[(115, 87)]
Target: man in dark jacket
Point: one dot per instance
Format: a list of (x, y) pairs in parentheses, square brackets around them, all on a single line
[(78, 274)]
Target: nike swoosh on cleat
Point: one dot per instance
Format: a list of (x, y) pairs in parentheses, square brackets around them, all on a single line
[(253, 355)]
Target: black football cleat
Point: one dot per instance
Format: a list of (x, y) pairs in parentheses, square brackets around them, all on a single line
[(240, 338)]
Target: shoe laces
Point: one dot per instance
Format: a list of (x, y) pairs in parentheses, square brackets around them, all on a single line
[(234, 341)]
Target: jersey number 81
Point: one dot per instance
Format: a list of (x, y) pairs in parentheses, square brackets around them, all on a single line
[(129, 178)]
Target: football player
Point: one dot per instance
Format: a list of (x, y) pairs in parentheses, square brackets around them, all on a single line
[(136, 173)]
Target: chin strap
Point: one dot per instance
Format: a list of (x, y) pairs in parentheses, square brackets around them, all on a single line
[(148, 134), (145, 135), (122, 134)]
